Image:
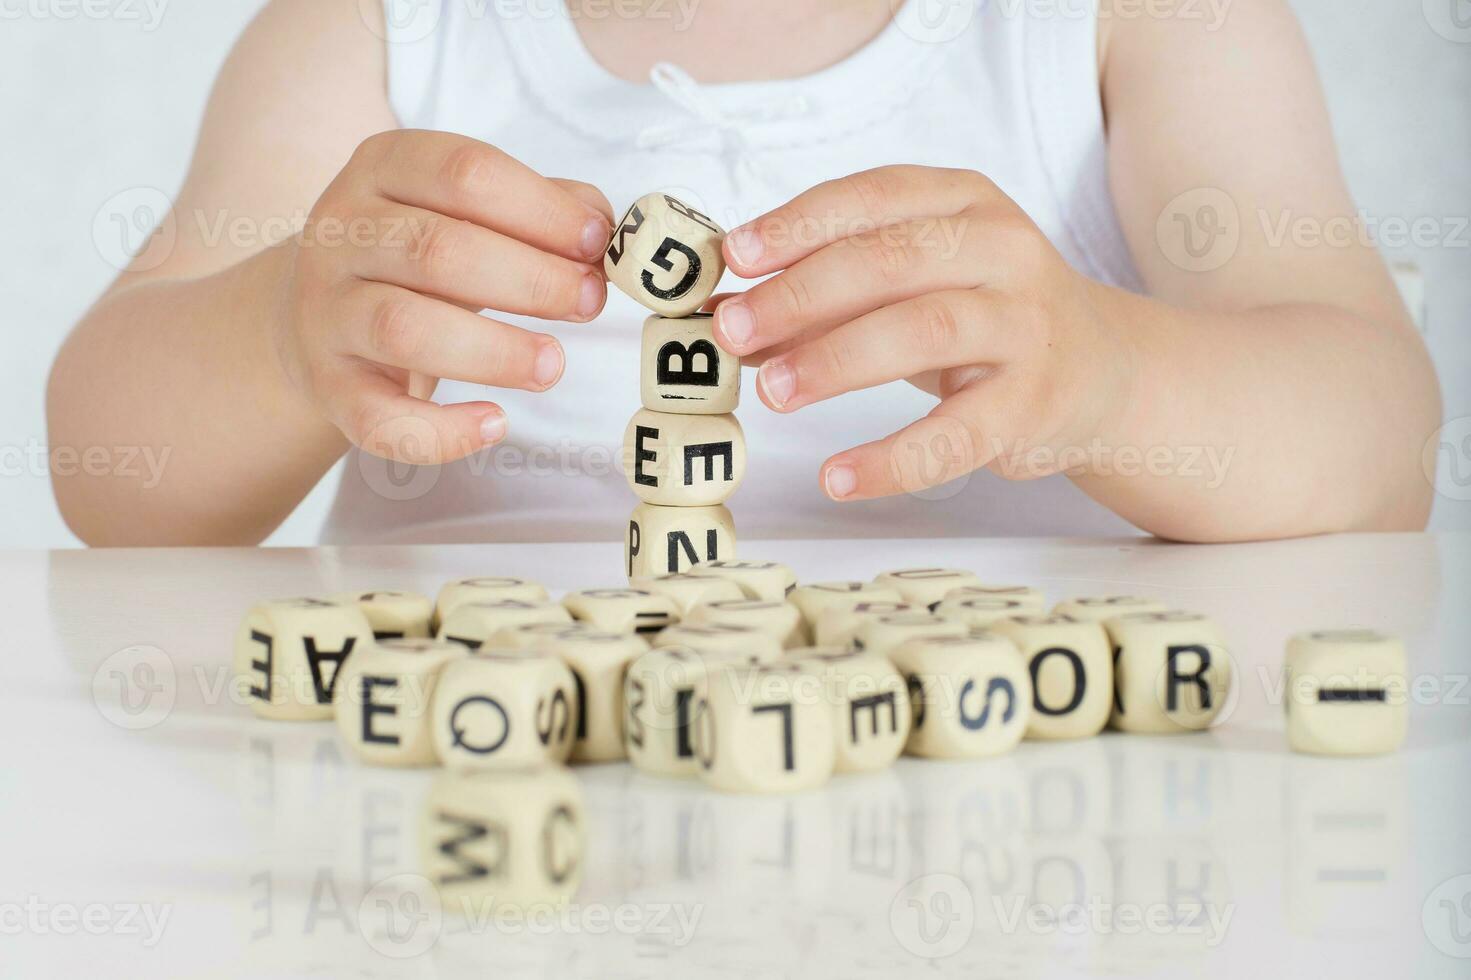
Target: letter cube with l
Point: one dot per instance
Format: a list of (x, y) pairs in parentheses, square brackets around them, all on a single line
[(1171, 672), (684, 372), (666, 255), (382, 699), (764, 729), (289, 652)]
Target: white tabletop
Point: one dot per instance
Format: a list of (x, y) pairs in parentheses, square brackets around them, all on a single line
[(212, 843)]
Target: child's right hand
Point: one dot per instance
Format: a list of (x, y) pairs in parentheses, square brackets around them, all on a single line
[(418, 232)]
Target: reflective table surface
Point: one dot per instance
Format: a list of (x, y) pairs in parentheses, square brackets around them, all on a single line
[(152, 826)]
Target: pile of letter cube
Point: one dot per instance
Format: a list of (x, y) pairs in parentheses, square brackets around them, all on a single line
[(734, 673), (683, 452)]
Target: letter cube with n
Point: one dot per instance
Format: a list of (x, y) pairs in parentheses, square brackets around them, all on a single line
[(684, 372), (288, 654), (662, 540), (666, 255)]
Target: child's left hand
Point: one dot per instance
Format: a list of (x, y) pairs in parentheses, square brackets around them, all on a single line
[(935, 276)]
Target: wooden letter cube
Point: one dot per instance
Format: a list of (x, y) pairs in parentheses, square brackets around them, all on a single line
[(675, 539), (474, 623), (886, 634), (972, 695), (764, 729), (926, 586), (632, 610), (813, 599), (757, 579), (1346, 692), (780, 620), (687, 589), (660, 693), (489, 588), (1099, 609), (684, 372), (383, 696), (1072, 673), (1032, 600), (838, 626), (598, 660), (683, 460), (503, 840), (870, 701), (981, 611), (503, 709), (289, 652), (745, 641), (666, 255), (394, 615), (1171, 672)]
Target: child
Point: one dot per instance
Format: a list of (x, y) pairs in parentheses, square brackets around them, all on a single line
[(1054, 219)]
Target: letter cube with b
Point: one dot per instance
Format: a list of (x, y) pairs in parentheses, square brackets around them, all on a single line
[(1346, 692), (289, 652), (503, 709), (1171, 672), (683, 460), (666, 255), (383, 695), (684, 372), (675, 539)]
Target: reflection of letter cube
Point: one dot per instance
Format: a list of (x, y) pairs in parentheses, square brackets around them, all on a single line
[(666, 255), (764, 729), (684, 372), (1171, 672), (972, 695), (926, 586), (394, 615), (383, 695), (660, 693), (503, 840), (1346, 692), (504, 709), (683, 460), (675, 539), (288, 654), (1072, 673), (870, 705)]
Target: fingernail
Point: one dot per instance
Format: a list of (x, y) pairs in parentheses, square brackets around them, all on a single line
[(745, 246), (595, 236), (737, 324), (493, 427), (840, 481), (590, 300), (778, 381), (548, 366)]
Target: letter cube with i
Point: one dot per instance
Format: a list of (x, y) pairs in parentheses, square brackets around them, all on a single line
[(289, 652), (666, 255), (1346, 692), (660, 693)]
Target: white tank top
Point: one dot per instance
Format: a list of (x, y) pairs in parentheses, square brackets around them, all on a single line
[(986, 86)]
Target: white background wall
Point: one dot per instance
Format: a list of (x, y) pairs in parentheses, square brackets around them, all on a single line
[(92, 107)]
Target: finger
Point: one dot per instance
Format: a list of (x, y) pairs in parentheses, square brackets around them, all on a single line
[(467, 179), (936, 449), (375, 414), (840, 208), (849, 278), (927, 333), (469, 264), (391, 325), (589, 195)]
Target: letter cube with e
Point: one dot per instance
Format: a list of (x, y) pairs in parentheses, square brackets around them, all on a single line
[(383, 695), (289, 652), (675, 539), (394, 615), (1171, 672), (1072, 673), (660, 693), (683, 460), (972, 695), (684, 372), (763, 729), (870, 702), (503, 709), (926, 586), (1346, 692), (666, 255)]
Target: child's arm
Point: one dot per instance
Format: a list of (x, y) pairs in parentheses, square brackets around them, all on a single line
[(1271, 387), (251, 361)]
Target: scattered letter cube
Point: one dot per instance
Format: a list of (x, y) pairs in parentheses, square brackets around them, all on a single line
[(870, 702), (763, 729), (1072, 673), (972, 695), (1346, 692), (1171, 672), (288, 654), (504, 709), (383, 696), (394, 615), (926, 586)]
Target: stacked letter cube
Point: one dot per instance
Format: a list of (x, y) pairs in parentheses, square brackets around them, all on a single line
[(683, 452)]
